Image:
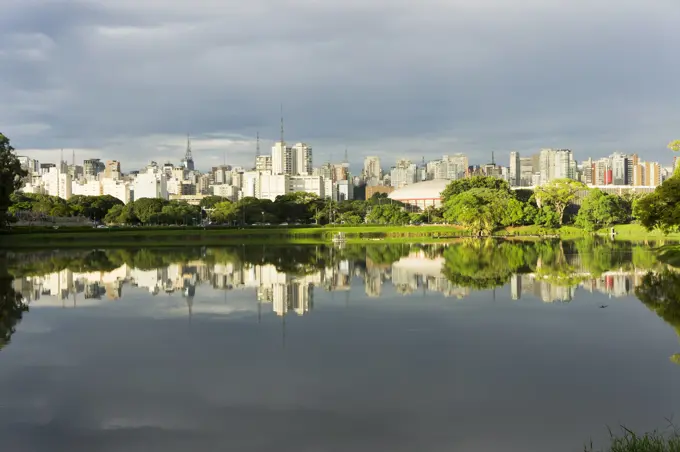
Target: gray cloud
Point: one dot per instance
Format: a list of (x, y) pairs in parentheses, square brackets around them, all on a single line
[(127, 80)]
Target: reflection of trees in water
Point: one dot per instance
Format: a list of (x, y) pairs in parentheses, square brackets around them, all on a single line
[(660, 292), (485, 264), (488, 263), (12, 308)]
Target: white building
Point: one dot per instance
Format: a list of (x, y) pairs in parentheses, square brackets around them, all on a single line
[(273, 185), (372, 171), (302, 159), (151, 184), (514, 175), (344, 190), (86, 188), (119, 189), (282, 161), (57, 183), (404, 173), (226, 191), (308, 184)]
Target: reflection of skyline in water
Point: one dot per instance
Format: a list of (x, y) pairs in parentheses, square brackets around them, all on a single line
[(418, 271)]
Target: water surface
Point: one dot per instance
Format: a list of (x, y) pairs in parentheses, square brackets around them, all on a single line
[(475, 346)]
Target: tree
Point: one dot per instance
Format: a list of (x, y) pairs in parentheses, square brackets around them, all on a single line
[(660, 209), (94, 208), (675, 147), (462, 185), (481, 210), (388, 214), (599, 210), (559, 194), (144, 208), (11, 175), (225, 212), (209, 202)]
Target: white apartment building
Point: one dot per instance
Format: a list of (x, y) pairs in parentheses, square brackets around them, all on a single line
[(302, 159), (515, 169), (226, 191), (273, 185), (57, 183), (117, 188), (308, 184), (151, 184), (372, 172), (282, 161), (404, 173), (87, 188)]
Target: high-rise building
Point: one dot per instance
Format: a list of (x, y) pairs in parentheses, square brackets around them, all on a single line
[(619, 168), (282, 158), (188, 161), (302, 159), (92, 167), (403, 173), (372, 171), (263, 163), (515, 171), (526, 171), (112, 169)]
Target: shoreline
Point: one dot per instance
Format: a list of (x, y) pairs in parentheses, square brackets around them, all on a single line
[(76, 237)]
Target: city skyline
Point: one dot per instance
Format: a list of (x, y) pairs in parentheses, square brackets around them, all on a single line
[(148, 74)]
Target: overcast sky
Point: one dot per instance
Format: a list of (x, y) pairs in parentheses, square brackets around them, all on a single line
[(128, 79)]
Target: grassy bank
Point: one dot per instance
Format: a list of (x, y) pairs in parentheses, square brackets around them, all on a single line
[(151, 236), (628, 441), (65, 237)]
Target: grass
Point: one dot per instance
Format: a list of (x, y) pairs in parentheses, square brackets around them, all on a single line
[(629, 441), (126, 237), (71, 237)]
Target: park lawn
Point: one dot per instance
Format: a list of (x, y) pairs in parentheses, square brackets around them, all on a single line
[(637, 232)]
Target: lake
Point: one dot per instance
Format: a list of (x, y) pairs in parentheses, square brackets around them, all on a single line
[(471, 346)]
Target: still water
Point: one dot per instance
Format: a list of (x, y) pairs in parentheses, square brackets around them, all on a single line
[(474, 346)]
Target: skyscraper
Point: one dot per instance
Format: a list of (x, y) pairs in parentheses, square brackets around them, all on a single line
[(282, 162), (302, 159), (188, 162), (515, 169), (372, 170)]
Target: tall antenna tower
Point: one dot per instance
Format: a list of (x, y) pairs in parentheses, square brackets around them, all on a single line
[(73, 157), (493, 160), (187, 155), (61, 160), (346, 160), (257, 144)]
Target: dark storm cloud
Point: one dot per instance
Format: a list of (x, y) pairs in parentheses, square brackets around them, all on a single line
[(388, 78)]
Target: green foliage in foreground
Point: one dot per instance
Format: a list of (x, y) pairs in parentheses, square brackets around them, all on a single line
[(629, 441)]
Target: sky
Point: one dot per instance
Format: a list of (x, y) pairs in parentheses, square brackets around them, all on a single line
[(129, 79)]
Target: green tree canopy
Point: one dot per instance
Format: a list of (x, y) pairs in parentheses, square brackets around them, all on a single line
[(388, 214), (11, 175), (208, 202), (459, 186), (558, 194), (225, 212), (482, 210), (660, 209), (599, 210)]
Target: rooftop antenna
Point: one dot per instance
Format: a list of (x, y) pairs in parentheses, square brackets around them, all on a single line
[(257, 143), (346, 160), (187, 155), (493, 160), (62, 156), (73, 157), (423, 160), (281, 124)]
